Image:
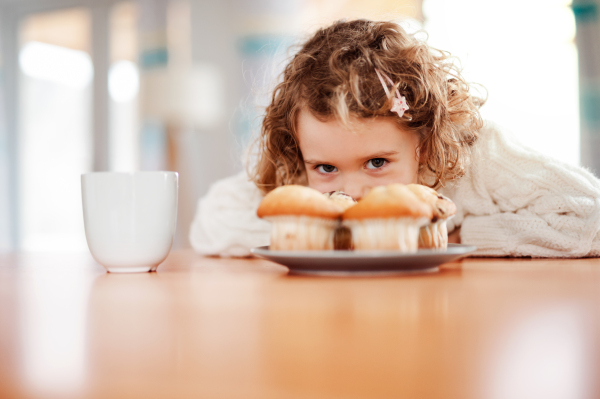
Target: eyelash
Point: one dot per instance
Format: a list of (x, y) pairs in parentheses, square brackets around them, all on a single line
[(385, 162), (317, 167)]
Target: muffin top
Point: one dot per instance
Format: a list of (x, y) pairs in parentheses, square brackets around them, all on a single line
[(391, 201), (295, 200), (341, 198), (443, 207)]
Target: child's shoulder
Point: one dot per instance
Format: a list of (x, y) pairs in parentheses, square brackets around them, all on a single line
[(492, 130), (496, 140), (499, 154), (238, 187)]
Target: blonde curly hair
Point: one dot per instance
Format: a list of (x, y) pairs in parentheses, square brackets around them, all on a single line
[(333, 75)]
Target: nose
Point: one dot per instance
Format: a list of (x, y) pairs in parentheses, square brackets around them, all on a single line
[(355, 189)]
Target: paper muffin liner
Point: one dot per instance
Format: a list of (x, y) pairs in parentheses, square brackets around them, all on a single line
[(289, 233), (434, 235), (386, 234)]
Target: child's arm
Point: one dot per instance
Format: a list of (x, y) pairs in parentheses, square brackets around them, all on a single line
[(225, 223), (514, 201)]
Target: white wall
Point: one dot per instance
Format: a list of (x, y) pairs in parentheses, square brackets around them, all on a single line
[(523, 53)]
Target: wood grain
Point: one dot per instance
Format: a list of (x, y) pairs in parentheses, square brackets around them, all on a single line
[(240, 328)]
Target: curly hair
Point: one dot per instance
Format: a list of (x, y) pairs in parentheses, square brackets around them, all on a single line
[(333, 75)]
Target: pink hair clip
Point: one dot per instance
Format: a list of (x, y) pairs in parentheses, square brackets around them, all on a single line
[(399, 104)]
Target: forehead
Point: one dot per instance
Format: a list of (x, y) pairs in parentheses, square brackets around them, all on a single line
[(327, 140)]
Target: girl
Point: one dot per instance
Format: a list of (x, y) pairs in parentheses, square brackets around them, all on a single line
[(364, 104)]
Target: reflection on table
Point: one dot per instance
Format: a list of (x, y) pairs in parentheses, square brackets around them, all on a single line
[(244, 328)]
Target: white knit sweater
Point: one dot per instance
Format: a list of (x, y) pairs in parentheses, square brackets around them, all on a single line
[(512, 201)]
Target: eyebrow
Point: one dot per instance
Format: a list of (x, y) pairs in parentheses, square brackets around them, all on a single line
[(376, 155)]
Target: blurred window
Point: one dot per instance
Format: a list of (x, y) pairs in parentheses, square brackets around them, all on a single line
[(54, 127), (523, 52), (5, 192), (123, 88)]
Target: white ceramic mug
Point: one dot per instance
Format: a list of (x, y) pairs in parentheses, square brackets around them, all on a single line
[(129, 218)]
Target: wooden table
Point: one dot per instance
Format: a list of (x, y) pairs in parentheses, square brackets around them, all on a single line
[(225, 328)]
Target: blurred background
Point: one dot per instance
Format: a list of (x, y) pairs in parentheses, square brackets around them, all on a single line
[(89, 85)]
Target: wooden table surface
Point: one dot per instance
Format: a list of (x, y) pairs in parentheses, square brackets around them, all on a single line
[(233, 328)]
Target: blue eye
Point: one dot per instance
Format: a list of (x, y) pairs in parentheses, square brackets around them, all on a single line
[(376, 163), (326, 168)]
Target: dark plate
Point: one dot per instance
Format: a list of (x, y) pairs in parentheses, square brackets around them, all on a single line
[(363, 262)]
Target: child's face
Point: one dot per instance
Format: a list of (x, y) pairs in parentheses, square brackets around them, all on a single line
[(376, 153)]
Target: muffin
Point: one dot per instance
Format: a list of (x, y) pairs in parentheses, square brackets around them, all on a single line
[(387, 218), (435, 234), (342, 238), (301, 218)]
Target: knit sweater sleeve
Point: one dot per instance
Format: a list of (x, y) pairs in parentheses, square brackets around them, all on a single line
[(225, 223), (514, 201)]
